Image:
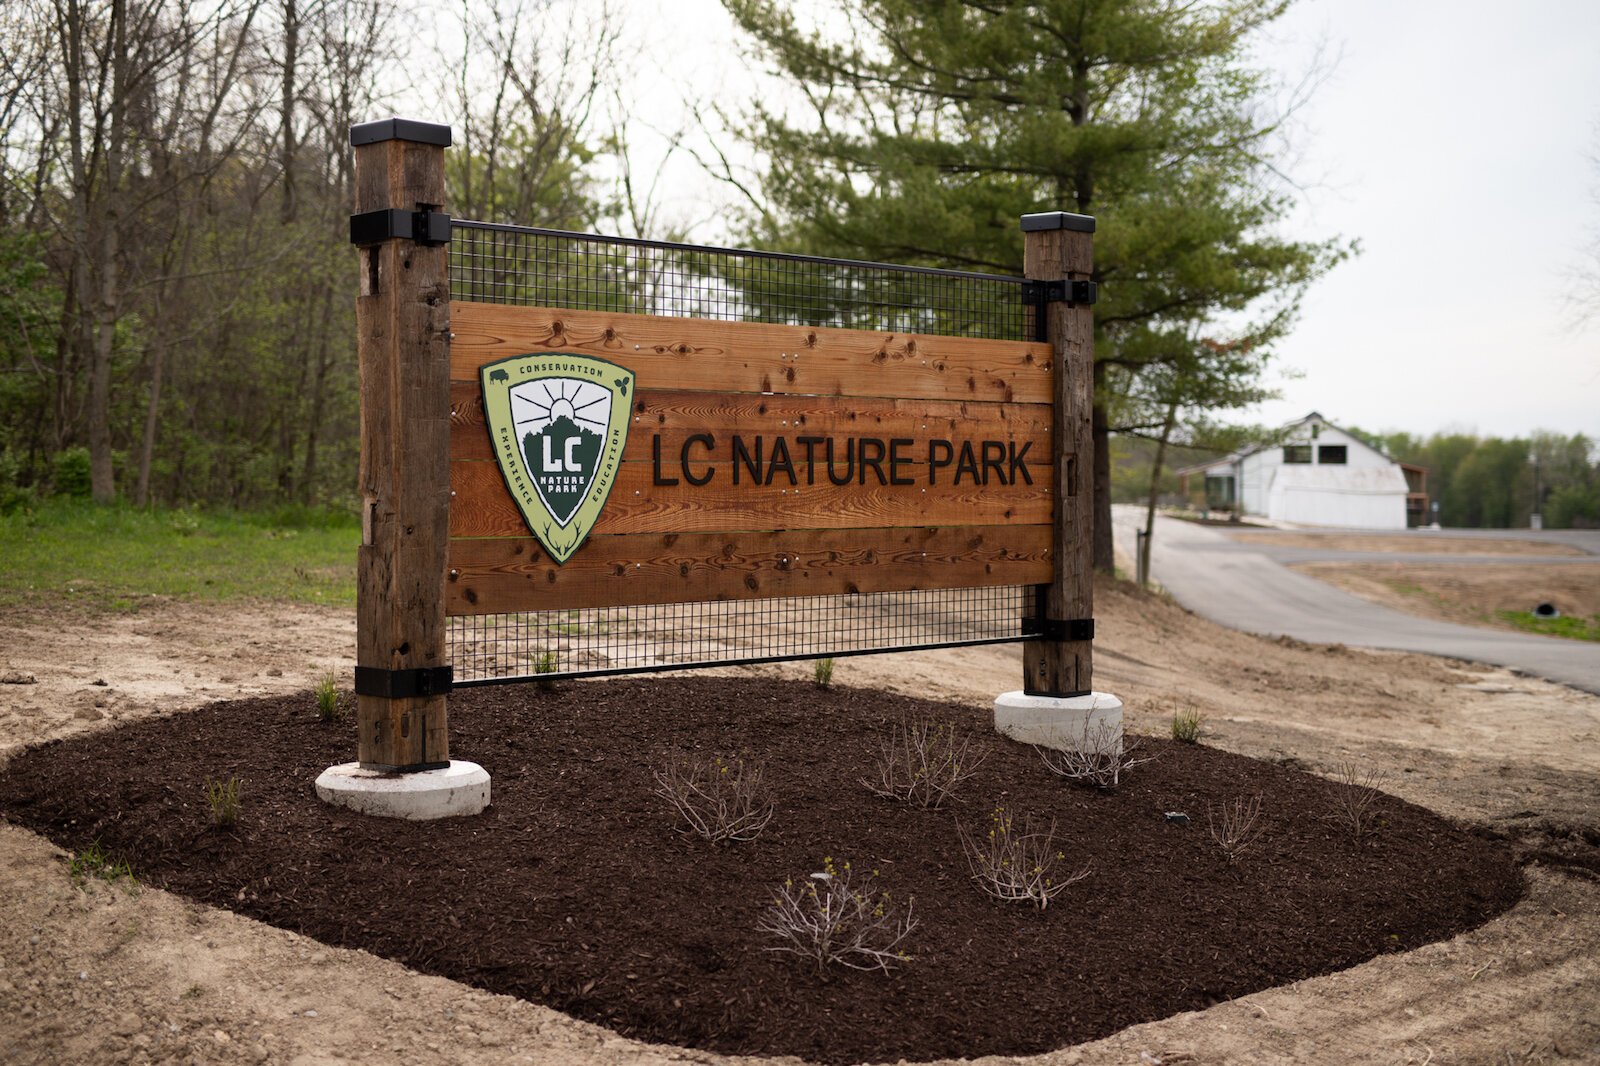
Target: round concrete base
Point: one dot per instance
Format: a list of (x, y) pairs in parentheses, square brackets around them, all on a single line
[(1092, 722), (460, 788)]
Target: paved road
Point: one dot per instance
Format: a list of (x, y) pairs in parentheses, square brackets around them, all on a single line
[(1243, 586)]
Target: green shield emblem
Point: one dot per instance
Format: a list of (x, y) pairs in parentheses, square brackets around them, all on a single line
[(558, 423)]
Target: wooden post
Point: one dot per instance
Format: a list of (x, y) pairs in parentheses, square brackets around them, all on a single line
[(403, 335), (1058, 247)]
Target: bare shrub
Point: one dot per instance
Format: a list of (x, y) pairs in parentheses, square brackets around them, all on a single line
[(922, 762), (1355, 789), (1097, 757), (827, 919), (719, 799), (1237, 825), (1018, 866)]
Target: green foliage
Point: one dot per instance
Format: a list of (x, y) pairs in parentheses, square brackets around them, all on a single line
[(822, 672), (1489, 488), (537, 176), (69, 473), (545, 663), (1133, 457), (1573, 506), (223, 799), (1568, 626), (1493, 482), (30, 316), (94, 861), (327, 693), (14, 496), (96, 555), (1186, 725)]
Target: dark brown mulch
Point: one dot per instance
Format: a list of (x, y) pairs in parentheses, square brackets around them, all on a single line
[(576, 890)]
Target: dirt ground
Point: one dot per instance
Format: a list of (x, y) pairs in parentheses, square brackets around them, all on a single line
[(1416, 541), (1471, 595), (107, 974)]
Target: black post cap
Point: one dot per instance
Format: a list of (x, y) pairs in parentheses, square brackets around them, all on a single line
[(1048, 220), (400, 129)]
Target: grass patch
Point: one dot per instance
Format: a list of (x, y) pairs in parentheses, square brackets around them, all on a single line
[(1569, 626), (93, 861), (1186, 725), (223, 799), (327, 693), (110, 557)]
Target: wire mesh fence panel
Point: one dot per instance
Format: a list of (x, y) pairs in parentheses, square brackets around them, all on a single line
[(618, 640), (499, 264), (493, 263)]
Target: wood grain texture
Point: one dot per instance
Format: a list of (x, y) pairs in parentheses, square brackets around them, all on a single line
[(403, 328), (1065, 668), (514, 574), (482, 507), (691, 353), (675, 413)]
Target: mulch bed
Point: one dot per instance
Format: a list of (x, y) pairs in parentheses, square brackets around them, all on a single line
[(576, 889)]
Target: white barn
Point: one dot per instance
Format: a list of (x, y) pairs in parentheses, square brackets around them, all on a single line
[(1317, 475)]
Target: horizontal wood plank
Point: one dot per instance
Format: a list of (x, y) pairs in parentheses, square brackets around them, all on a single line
[(509, 575), (753, 357), (481, 506), (675, 413)]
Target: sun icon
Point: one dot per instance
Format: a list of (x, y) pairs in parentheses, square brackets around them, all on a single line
[(537, 404)]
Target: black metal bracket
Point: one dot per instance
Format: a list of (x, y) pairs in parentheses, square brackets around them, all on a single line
[(400, 684), (1059, 629), (1039, 293), (424, 227)]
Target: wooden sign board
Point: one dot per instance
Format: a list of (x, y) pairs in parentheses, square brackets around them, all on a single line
[(759, 460)]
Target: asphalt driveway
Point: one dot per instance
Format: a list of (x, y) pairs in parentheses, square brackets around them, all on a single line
[(1250, 587)]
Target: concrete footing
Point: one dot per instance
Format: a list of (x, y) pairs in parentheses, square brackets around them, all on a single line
[(1092, 722), (457, 789)]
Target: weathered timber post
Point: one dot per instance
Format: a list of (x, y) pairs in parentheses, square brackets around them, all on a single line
[(403, 337), (1058, 255), (1058, 706), (403, 332)]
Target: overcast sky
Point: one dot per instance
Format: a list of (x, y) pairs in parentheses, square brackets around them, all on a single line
[(1452, 138)]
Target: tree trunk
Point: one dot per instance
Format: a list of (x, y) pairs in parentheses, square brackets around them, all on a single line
[(308, 474), (147, 447), (291, 57), (1143, 564), (102, 483)]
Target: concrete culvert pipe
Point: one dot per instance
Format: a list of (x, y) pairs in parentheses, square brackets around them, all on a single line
[(1546, 610)]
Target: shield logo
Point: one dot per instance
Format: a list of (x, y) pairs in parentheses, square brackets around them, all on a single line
[(558, 423)]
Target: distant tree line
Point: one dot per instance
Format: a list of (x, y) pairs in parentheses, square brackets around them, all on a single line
[(1478, 482), (1497, 483)]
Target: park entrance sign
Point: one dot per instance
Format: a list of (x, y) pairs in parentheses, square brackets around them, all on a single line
[(586, 455), (753, 460)]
